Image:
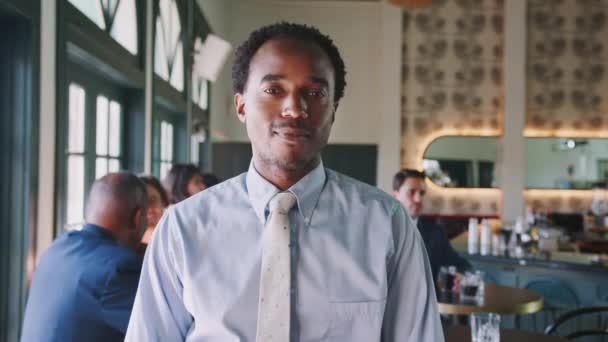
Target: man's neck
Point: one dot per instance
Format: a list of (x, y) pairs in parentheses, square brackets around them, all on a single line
[(281, 178)]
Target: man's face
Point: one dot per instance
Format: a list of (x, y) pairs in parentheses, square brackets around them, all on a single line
[(288, 103), (410, 194)]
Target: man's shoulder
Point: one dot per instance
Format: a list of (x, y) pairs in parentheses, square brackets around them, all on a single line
[(82, 248), (356, 189), (226, 191)]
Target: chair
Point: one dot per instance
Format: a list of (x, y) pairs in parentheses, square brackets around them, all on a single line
[(600, 331), (557, 298)]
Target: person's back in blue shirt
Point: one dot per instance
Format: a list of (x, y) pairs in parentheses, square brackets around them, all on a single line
[(85, 283), (82, 290)]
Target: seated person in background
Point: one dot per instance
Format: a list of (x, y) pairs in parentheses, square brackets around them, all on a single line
[(157, 203), (85, 283), (209, 179), (409, 189), (183, 181)]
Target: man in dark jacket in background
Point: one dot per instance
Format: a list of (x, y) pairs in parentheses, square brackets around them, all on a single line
[(84, 286), (409, 189)]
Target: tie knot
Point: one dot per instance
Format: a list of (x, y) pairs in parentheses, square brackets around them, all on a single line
[(283, 201)]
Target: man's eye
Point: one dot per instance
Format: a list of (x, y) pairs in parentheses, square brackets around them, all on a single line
[(316, 93), (271, 91)]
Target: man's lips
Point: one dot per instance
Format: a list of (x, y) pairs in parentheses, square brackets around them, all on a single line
[(292, 134)]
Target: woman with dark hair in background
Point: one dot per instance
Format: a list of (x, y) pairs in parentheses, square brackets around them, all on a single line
[(183, 181), (158, 202), (209, 179)]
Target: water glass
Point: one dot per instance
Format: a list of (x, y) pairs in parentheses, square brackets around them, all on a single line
[(472, 286), (446, 278), (485, 327)]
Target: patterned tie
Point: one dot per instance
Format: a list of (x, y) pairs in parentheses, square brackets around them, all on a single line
[(274, 312)]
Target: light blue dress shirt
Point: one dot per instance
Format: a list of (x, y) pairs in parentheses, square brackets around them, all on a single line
[(359, 269)]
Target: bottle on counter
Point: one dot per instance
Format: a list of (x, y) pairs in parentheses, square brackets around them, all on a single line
[(473, 237), (484, 244), (496, 244)]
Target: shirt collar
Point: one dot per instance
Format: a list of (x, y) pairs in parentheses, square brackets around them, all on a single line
[(307, 191), (97, 231)]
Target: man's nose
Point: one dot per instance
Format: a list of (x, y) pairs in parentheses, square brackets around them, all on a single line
[(295, 106)]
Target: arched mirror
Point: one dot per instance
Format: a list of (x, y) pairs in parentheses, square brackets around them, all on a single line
[(461, 161), (550, 163)]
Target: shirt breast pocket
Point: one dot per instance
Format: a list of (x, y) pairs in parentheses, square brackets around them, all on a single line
[(359, 319)]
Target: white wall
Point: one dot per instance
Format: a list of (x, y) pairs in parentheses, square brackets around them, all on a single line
[(368, 35), (217, 13)]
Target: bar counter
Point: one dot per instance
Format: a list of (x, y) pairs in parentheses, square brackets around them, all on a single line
[(566, 280)]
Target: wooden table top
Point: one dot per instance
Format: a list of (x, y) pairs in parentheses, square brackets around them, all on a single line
[(498, 299), (463, 334)]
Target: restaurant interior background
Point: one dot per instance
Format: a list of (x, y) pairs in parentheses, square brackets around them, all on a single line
[(503, 102)]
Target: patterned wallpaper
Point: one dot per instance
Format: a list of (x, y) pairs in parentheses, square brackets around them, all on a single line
[(567, 84), (452, 85)]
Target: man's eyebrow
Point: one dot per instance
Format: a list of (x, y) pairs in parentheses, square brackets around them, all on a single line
[(278, 77), (320, 80), (272, 77)]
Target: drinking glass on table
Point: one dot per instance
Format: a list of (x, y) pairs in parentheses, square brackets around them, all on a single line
[(447, 279), (485, 327), (472, 286)]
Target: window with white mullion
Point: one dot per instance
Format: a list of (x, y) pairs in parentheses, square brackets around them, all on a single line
[(169, 54), (75, 156), (108, 130), (115, 17), (166, 148)]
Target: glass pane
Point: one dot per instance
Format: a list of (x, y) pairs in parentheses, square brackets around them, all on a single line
[(102, 126), (164, 10), (114, 143), (203, 101), (160, 58), (75, 190), (164, 169), (195, 90), (92, 9), (177, 72), (163, 140), (194, 149), (101, 167), (123, 27), (114, 165), (169, 142), (76, 119), (175, 25)]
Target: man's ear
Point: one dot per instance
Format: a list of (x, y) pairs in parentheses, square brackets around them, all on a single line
[(239, 105), (137, 217)]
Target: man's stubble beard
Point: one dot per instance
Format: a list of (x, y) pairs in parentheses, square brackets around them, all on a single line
[(289, 165)]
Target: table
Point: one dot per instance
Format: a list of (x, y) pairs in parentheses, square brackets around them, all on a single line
[(463, 334), (498, 299)]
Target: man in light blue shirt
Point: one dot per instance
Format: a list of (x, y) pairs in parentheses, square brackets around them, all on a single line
[(359, 271)]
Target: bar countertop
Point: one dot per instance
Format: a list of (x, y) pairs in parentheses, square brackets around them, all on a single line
[(552, 260)]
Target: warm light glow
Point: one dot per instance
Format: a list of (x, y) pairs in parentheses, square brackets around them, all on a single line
[(557, 192), (468, 192), (411, 3), (564, 133), (462, 132)]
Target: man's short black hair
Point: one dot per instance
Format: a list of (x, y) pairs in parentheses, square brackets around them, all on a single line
[(404, 174), (245, 52)]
